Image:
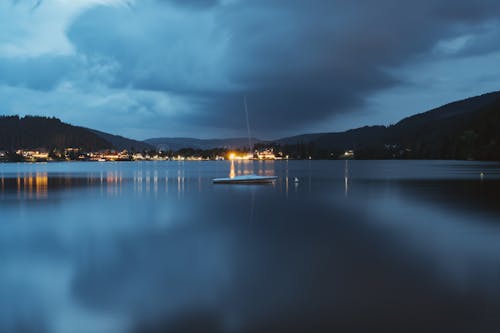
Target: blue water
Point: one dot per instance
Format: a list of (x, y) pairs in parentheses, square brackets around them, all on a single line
[(356, 246)]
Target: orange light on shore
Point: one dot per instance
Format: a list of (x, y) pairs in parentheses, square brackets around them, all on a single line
[(239, 156)]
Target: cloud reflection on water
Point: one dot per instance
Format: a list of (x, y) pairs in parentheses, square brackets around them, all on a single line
[(157, 247)]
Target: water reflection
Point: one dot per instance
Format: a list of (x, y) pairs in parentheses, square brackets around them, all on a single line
[(247, 167), (29, 185), (232, 173), (346, 178), (33, 184), (154, 247), (180, 182)]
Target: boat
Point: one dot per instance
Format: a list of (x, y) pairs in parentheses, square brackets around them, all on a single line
[(246, 179)]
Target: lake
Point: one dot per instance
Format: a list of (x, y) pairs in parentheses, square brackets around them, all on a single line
[(353, 246)]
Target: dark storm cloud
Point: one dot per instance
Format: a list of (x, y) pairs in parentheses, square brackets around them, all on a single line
[(484, 40), (297, 62), (305, 61)]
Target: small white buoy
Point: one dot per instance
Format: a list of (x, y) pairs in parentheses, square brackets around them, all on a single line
[(481, 174), (295, 180)]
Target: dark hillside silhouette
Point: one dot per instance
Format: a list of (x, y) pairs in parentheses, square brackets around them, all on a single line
[(33, 132)]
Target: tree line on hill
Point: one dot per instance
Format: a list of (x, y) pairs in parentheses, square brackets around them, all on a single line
[(463, 130), (33, 132)]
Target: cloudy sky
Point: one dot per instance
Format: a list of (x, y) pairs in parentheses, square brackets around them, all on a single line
[(150, 68)]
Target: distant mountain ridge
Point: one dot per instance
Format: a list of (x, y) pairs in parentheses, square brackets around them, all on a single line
[(204, 144), (466, 129), (121, 143)]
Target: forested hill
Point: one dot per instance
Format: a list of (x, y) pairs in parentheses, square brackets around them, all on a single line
[(32, 132), (466, 129), (121, 143)]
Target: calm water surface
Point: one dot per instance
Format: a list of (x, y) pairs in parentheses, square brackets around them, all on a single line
[(358, 246)]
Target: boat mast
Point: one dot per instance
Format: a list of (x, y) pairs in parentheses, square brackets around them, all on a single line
[(248, 124)]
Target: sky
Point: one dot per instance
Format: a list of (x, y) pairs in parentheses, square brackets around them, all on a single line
[(168, 68)]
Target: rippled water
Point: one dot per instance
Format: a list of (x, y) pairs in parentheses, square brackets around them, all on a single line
[(357, 246)]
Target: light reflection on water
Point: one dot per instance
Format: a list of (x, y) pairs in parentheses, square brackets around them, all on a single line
[(155, 247)]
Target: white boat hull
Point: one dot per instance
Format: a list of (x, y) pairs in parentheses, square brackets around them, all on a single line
[(247, 179)]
